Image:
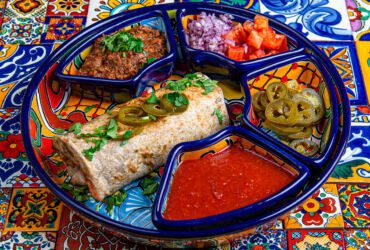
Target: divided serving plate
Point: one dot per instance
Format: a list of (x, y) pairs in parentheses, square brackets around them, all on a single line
[(57, 98)]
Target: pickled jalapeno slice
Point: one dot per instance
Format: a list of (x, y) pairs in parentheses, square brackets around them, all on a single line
[(283, 112)]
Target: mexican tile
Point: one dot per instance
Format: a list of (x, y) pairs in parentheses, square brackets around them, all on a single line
[(363, 51), (33, 209), (28, 240), (99, 10), (270, 239), (18, 64), (2, 9), (357, 239), (304, 16), (15, 169), (21, 30), (4, 203), (26, 8), (343, 55), (359, 16), (316, 239), (321, 210), (247, 4), (354, 167), (76, 233), (59, 29), (67, 8), (355, 200)]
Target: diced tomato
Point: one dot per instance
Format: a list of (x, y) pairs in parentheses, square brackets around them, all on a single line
[(274, 41), (252, 57), (268, 32), (284, 45), (272, 52), (254, 40), (231, 35), (258, 53), (237, 34), (248, 26), (260, 22), (236, 53)]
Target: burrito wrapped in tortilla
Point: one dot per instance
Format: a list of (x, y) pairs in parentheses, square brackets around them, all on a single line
[(117, 148)]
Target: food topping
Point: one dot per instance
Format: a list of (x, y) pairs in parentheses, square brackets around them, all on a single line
[(240, 42), (121, 55), (290, 112)]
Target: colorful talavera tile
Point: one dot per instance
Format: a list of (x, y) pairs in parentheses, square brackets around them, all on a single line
[(2, 9), (321, 210), (246, 4), (59, 29), (21, 30), (359, 16), (15, 168), (33, 209), (99, 10), (363, 51), (28, 240), (67, 8), (26, 8), (76, 233), (270, 239), (4, 203), (355, 200), (316, 240), (343, 55), (311, 17), (357, 239), (18, 65), (354, 166)]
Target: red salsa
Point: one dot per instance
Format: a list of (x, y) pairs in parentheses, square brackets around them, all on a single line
[(229, 180)]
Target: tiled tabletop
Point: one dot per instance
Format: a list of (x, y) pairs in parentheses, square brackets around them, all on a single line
[(336, 217)]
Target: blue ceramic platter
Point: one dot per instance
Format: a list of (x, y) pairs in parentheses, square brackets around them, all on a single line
[(53, 89)]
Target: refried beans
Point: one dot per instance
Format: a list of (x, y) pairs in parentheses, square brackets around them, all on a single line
[(114, 65)]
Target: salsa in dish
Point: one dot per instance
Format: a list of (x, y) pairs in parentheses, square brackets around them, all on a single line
[(237, 41), (222, 182), (123, 54)]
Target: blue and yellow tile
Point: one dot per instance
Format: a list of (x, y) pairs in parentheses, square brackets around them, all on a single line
[(21, 30), (363, 52), (357, 239), (33, 209), (20, 64), (322, 210), (67, 8), (304, 18), (59, 29), (4, 203), (343, 55), (99, 10), (359, 16), (28, 240), (26, 8), (354, 166), (355, 200)]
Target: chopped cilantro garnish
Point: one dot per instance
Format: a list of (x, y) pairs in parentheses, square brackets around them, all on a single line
[(115, 199), (59, 130), (123, 54), (127, 134), (123, 142), (89, 153), (75, 128), (191, 76), (152, 117), (109, 112), (150, 60), (152, 99), (121, 42), (112, 129), (192, 80), (217, 113), (177, 99), (149, 185)]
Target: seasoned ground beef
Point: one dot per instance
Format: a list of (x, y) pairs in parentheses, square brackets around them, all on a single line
[(113, 65)]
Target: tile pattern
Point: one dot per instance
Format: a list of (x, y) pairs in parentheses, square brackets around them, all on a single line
[(27, 23), (359, 16), (316, 239), (311, 17), (33, 209), (355, 201), (322, 210)]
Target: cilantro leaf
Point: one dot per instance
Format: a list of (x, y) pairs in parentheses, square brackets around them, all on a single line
[(127, 134), (218, 113), (75, 128), (150, 60), (151, 189), (176, 99), (112, 129), (152, 99), (89, 153), (121, 42), (59, 130)]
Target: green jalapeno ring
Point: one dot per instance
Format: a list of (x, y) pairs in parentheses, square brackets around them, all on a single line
[(282, 112), (305, 147), (154, 109), (305, 133), (276, 91), (132, 116), (282, 130)]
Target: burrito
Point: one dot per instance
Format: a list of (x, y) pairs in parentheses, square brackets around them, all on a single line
[(133, 151)]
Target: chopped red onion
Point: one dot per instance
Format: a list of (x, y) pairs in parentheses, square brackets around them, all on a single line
[(206, 33)]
